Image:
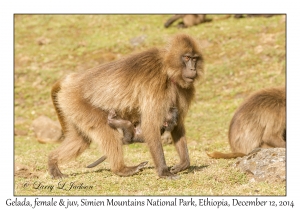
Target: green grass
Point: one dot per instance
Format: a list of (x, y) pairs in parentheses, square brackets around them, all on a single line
[(241, 56)]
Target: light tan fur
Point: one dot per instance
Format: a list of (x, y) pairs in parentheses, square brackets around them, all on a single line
[(141, 86), (259, 122)]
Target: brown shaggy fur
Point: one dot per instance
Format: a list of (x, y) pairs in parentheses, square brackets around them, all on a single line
[(132, 131), (260, 121), (141, 86)]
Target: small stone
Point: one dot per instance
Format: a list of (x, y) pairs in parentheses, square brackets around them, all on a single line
[(136, 41), (43, 41), (24, 171), (19, 132)]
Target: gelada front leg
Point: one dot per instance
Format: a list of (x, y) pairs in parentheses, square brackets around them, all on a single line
[(157, 154), (178, 135)]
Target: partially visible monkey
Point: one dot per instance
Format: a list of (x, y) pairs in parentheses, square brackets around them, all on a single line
[(189, 20), (259, 122), (141, 86), (252, 15), (133, 133)]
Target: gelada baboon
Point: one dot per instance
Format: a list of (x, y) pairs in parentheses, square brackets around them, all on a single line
[(132, 132), (139, 87), (252, 15), (259, 122), (187, 20)]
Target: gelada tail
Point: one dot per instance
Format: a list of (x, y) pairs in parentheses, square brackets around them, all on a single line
[(218, 155)]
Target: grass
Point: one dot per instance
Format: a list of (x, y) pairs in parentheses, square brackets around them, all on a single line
[(241, 56)]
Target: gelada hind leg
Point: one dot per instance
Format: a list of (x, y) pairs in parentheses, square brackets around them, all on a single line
[(111, 144), (72, 146)]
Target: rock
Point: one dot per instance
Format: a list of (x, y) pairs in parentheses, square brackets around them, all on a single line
[(264, 165), (19, 132), (23, 171), (46, 130), (20, 120), (43, 41), (205, 43), (136, 41)]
